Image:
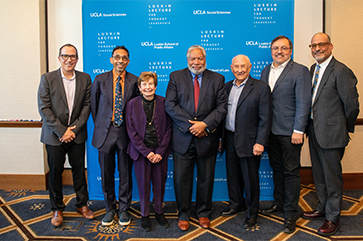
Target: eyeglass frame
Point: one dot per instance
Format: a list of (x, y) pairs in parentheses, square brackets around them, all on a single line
[(283, 48), (321, 44), (69, 56), (118, 57)]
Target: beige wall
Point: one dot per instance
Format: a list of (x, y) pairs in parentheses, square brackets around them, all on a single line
[(344, 25), (22, 47)]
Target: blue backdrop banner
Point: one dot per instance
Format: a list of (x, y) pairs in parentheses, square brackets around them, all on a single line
[(158, 34)]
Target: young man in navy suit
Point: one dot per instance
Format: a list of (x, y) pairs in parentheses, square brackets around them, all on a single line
[(196, 102), (247, 128), (64, 105), (291, 90), (334, 110), (110, 94)]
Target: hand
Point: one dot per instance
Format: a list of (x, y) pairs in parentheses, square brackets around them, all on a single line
[(150, 156), (157, 158), (198, 128), (69, 135), (257, 149), (220, 146), (297, 138)]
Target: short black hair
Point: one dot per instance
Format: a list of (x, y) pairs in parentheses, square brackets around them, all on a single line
[(121, 47), (68, 45), (282, 37)]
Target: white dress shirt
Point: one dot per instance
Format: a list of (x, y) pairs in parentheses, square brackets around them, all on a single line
[(69, 88)]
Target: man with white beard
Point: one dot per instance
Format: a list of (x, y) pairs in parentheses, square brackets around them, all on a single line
[(196, 101)]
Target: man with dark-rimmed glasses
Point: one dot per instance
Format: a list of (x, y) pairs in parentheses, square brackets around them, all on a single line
[(64, 105), (290, 88), (110, 93), (334, 110)]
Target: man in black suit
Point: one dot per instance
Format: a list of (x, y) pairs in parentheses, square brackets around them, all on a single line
[(110, 94), (196, 101), (64, 105), (334, 110), (290, 85), (247, 127)]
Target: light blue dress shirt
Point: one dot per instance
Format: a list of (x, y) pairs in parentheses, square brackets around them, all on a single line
[(232, 104)]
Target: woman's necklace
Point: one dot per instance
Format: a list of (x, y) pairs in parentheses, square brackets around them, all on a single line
[(152, 118)]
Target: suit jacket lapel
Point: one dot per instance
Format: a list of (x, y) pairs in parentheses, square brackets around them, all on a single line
[(77, 91), (126, 90), (109, 87), (284, 73), (189, 91), (246, 90), (325, 78), (59, 82), (204, 87)]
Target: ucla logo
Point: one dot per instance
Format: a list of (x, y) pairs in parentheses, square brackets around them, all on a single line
[(98, 71), (251, 43), (198, 12), (147, 44), (95, 15)]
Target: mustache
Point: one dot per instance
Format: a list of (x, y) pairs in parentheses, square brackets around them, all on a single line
[(318, 51), (279, 54), (197, 65)]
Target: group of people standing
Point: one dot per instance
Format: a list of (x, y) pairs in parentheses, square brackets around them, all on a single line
[(201, 115)]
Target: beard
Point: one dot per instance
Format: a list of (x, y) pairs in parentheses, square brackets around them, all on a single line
[(197, 71)]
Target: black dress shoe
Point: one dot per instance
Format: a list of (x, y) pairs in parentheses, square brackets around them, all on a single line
[(250, 223), (146, 224), (162, 220), (230, 212), (289, 226), (271, 209)]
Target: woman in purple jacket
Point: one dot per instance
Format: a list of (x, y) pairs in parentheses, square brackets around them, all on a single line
[(149, 129)]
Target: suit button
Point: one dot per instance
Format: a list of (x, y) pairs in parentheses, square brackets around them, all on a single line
[(195, 118)]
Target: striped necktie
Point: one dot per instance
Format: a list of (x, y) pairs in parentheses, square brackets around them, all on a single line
[(313, 89)]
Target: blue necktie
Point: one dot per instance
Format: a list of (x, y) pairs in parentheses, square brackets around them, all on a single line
[(118, 103), (313, 89)]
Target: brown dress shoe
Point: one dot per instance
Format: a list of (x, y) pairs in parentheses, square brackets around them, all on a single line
[(312, 215), (57, 219), (183, 225), (204, 222), (329, 228), (86, 212)]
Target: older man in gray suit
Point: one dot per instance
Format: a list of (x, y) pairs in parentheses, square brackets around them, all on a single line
[(64, 105), (334, 111), (290, 85)]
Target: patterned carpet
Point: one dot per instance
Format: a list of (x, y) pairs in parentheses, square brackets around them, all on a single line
[(25, 215)]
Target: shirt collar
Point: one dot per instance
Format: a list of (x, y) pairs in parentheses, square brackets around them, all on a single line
[(193, 75), (243, 83), (64, 77), (281, 65), (326, 62), (115, 75)]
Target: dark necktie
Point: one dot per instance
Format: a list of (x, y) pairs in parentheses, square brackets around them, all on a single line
[(313, 89), (196, 92), (118, 103)]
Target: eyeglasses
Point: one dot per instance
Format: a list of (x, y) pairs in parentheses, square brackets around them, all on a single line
[(283, 48), (118, 57), (313, 46), (66, 56)]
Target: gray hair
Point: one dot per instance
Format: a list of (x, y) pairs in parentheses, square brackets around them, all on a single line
[(196, 47)]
